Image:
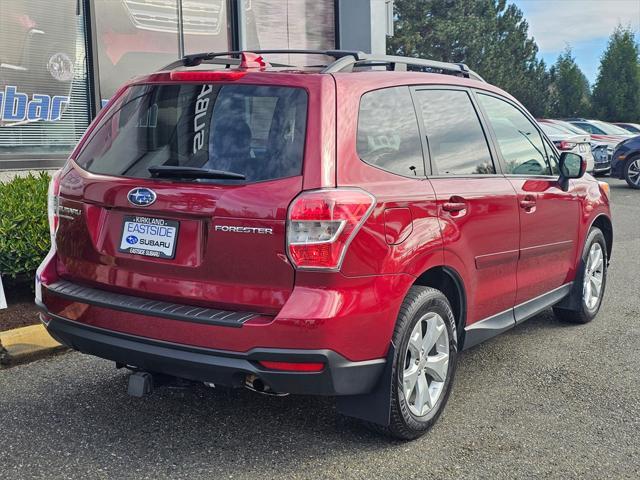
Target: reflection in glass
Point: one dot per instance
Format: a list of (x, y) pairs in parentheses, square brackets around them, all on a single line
[(141, 36), (291, 24), (456, 141), (255, 131), (519, 141), (388, 135)]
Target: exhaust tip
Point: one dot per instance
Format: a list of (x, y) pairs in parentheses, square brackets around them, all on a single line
[(256, 384)]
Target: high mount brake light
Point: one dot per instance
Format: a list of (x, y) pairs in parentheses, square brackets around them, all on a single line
[(206, 76), (322, 223)]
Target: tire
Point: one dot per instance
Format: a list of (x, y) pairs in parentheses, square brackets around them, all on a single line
[(632, 172), (429, 307), (579, 311)]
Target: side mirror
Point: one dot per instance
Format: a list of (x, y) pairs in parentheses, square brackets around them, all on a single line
[(572, 165)]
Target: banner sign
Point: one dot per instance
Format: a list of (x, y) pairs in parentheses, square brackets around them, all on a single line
[(17, 107)]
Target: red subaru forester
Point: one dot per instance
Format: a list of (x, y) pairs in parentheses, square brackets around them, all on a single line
[(341, 230)]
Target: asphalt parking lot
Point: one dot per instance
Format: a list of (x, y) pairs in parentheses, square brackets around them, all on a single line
[(543, 400)]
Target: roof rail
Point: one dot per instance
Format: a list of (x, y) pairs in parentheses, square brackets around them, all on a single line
[(398, 63), (344, 61)]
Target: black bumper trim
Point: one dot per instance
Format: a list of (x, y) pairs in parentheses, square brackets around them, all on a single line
[(146, 306), (339, 377)]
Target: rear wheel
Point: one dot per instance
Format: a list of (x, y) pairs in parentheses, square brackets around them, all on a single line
[(424, 364), (588, 288), (632, 172)]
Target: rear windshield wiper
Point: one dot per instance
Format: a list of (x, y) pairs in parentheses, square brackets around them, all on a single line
[(192, 172)]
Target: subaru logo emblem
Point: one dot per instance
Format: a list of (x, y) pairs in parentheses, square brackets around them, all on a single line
[(141, 196)]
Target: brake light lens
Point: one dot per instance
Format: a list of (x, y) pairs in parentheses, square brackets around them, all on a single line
[(322, 224), (293, 366), (206, 76), (564, 145), (52, 205)]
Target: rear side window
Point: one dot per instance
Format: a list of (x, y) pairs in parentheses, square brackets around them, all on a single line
[(388, 135), (589, 128), (519, 140), (457, 143), (257, 131)]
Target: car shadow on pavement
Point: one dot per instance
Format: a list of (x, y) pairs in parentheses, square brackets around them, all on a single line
[(86, 404), (87, 407)]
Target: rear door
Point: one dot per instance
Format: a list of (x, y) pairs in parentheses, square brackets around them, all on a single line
[(549, 217), (477, 205), (183, 236)]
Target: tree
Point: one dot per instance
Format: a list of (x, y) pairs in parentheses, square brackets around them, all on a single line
[(616, 94), (490, 36), (569, 87)]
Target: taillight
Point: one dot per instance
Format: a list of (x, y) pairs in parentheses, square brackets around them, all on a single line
[(322, 224), (52, 205), (564, 145)]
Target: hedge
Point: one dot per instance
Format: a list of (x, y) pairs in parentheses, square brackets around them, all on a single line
[(24, 228)]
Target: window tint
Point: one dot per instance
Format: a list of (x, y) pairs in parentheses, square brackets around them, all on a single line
[(257, 131), (519, 141), (388, 135), (457, 144)]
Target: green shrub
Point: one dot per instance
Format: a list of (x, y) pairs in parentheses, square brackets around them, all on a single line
[(24, 228)]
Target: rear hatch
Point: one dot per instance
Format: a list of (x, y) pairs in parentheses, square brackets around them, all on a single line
[(181, 191)]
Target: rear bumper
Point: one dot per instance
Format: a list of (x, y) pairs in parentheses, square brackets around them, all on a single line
[(339, 377)]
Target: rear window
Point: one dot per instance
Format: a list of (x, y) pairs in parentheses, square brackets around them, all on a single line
[(257, 131)]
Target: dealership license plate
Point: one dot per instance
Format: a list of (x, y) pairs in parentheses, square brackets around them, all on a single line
[(151, 237)]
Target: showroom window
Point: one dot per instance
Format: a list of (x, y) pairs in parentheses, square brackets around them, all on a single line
[(44, 107), (290, 24), (134, 37)]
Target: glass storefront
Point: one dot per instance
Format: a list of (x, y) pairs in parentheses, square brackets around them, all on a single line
[(139, 36), (290, 24), (44, 102), (52, 74)]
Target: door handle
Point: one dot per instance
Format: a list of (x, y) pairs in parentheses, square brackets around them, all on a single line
[(528, 203), (454, 205)]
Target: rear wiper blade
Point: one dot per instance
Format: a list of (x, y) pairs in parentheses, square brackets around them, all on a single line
[(192, 172)]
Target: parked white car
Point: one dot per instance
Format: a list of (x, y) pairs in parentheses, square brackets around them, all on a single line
[(571, 142)]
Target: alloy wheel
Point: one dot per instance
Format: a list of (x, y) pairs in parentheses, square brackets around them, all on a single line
[(633, 172), (593, 276), (426, 364)]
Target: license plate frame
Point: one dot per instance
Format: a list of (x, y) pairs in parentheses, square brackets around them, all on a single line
[(130, 239)]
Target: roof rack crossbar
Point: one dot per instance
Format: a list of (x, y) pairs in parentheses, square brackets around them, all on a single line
[(344, 60), (196, 59)]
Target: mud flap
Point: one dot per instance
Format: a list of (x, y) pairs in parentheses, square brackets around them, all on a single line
[(573, 301), (374, 407)]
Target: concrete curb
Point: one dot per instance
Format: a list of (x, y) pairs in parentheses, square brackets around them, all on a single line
[(25, 344)]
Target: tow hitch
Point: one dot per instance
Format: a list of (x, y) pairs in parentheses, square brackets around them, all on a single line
[(143, 383), (140, 384)]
